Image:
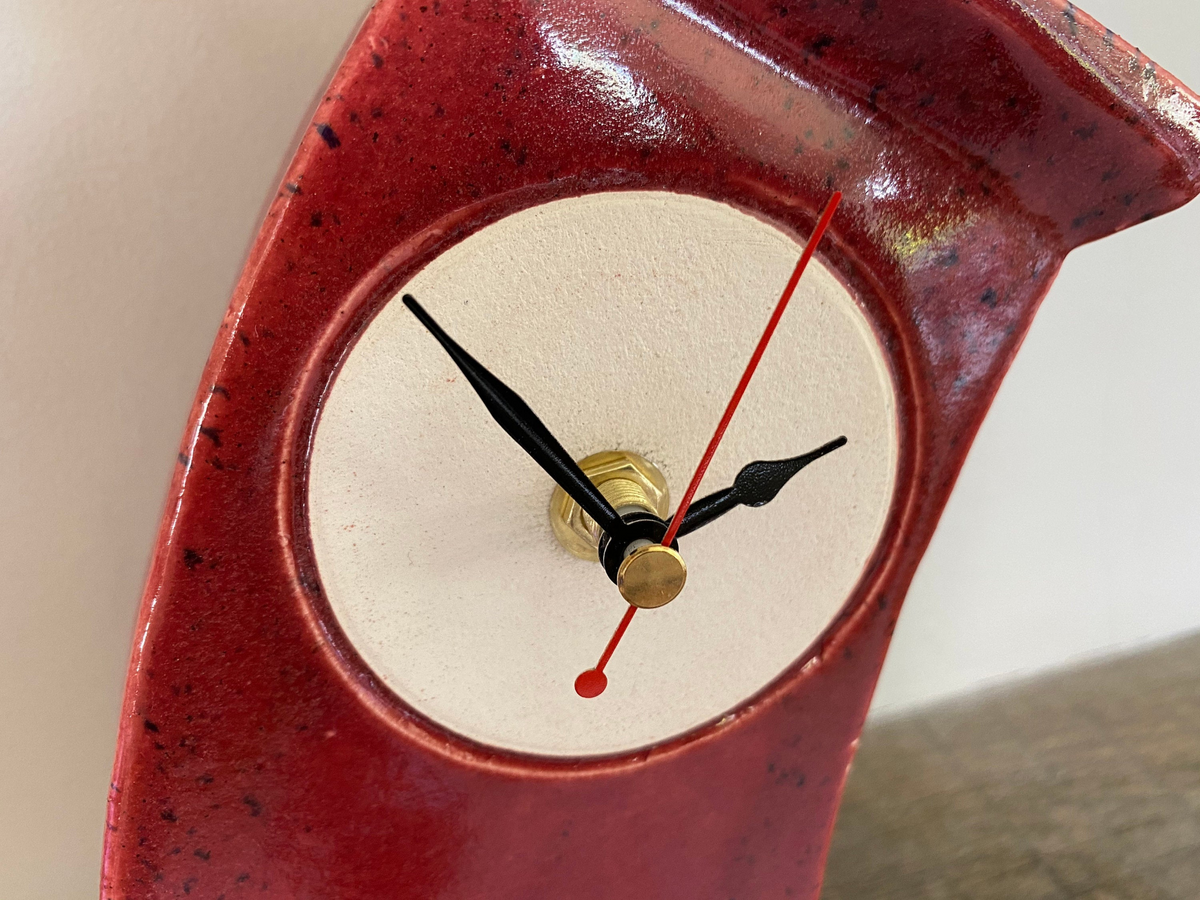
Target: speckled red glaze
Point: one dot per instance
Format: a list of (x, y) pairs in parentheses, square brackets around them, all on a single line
[(976, 143)]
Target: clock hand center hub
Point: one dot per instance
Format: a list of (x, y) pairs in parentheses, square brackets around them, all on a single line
[(647, 574), (651, 575)]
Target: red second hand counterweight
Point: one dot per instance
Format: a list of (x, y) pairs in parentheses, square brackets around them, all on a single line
[(592, 682)]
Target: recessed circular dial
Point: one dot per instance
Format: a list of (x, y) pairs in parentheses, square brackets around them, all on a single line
[(624, 320)]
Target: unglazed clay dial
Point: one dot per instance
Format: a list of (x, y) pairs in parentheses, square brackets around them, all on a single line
[(624, 320)]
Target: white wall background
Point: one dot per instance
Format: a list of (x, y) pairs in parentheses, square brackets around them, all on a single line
[(139, 140), (1074, 529)]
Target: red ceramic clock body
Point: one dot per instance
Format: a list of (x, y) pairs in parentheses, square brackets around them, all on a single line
[(975, 143)]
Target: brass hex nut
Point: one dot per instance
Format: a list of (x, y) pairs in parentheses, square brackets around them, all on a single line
[(627, 480)]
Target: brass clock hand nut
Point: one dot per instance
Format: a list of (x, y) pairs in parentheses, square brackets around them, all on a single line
[(630, 482)]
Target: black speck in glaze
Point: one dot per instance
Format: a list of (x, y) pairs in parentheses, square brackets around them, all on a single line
[(328, 135)]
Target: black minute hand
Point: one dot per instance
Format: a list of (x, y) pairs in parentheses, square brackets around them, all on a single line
[(514, 416), (756, 484)]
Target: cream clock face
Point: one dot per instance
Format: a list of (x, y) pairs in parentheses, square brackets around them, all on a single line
[(624, 320)]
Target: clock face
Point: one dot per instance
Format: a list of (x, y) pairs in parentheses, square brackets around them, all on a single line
[(624, 320)]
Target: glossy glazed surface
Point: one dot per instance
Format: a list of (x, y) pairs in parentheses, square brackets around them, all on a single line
[(256, 754)]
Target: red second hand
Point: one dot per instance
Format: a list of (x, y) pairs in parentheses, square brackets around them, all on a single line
[(592, 682)]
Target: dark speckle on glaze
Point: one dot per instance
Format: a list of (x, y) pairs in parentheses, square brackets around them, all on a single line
[(820, 44), (328, 135)]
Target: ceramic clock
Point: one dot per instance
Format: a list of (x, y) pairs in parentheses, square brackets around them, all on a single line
[(590, 394)]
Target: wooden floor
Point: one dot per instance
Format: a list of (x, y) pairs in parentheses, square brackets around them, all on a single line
[(1082, 785)]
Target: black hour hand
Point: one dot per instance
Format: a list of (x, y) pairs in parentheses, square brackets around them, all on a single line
[(756, 484), (514, 416)]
